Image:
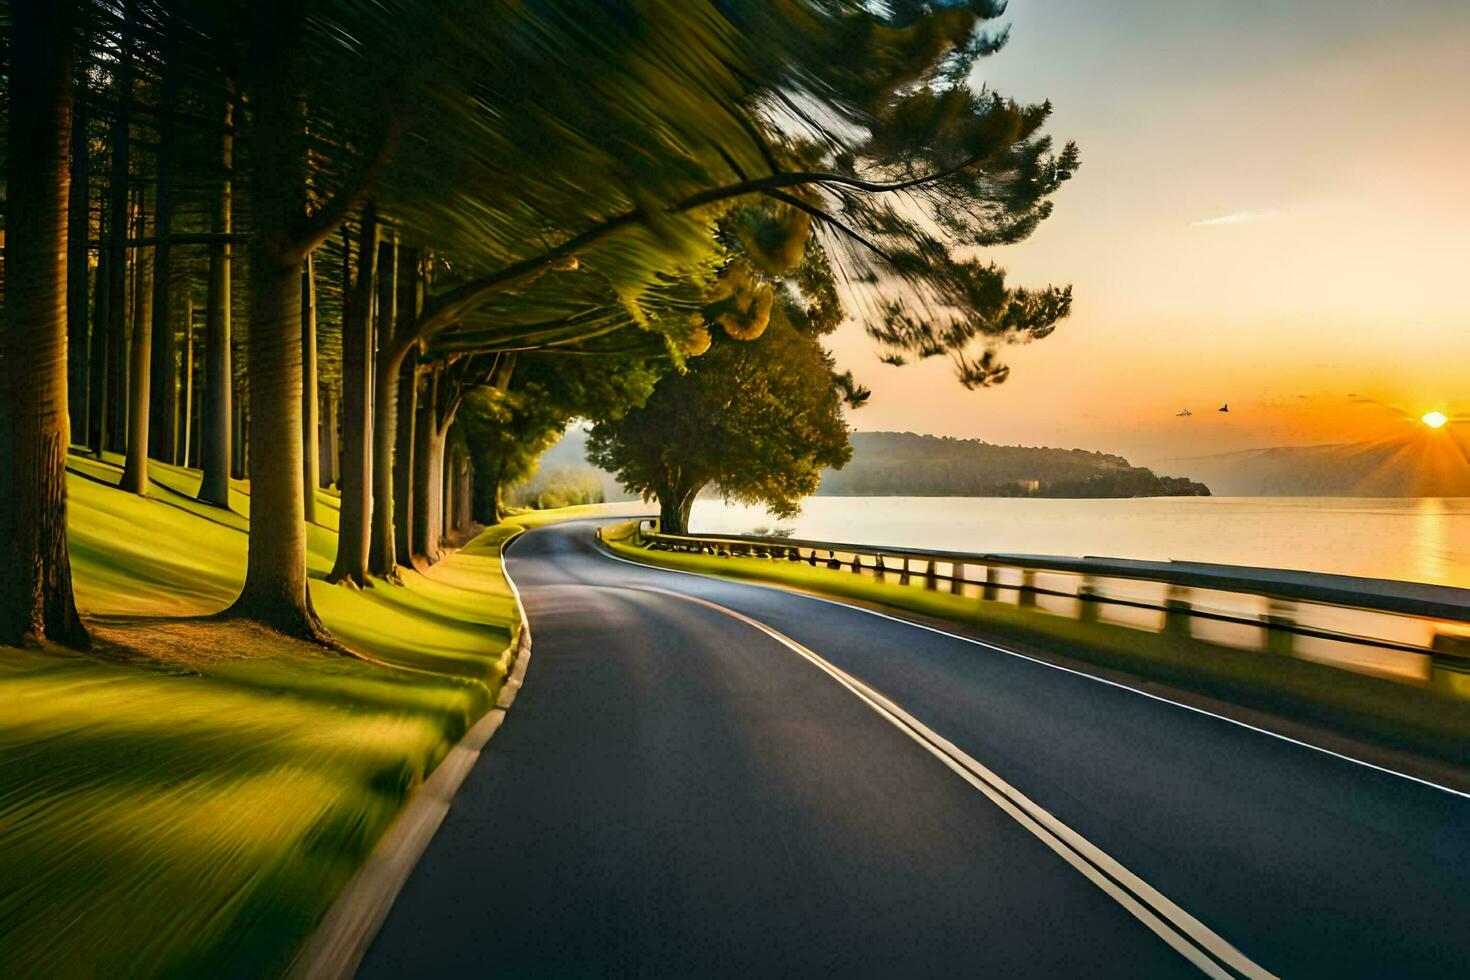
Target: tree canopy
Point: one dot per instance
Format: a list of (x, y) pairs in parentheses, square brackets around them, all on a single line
[(506, 431), (568, 178), (757, 416)]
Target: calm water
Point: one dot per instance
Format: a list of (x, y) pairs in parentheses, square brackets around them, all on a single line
[(1423, 540)]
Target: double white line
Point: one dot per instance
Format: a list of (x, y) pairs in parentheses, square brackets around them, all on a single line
[(1188, 936)]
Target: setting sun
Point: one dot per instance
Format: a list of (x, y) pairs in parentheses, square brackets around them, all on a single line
[(1434, 419)]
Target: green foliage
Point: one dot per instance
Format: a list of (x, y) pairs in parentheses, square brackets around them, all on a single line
[(760, 419), (573, 168), (506, 431), (218, 783), (560, 487)]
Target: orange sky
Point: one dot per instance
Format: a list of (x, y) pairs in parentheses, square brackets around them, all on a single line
[(1273, 211)]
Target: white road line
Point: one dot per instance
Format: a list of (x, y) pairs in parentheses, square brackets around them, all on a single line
[(1166, 919), (1066, 670)]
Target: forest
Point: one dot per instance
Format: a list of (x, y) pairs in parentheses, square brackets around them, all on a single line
[(906, 464), (300, 245)]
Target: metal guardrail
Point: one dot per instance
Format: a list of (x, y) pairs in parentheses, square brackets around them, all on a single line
[(1418, 634)]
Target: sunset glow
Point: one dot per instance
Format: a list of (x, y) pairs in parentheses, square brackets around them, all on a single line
[(1227, 279), (1434, 419)]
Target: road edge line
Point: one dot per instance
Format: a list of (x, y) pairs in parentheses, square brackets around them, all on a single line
[(336, 947), (1154, 910), (605, 552)]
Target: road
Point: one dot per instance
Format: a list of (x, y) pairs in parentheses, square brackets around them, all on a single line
[(704, 777)]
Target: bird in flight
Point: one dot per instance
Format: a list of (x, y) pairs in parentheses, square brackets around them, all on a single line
[(1184, 414), (1225, 407)]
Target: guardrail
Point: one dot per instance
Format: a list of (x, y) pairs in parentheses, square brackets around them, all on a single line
[(1418, 634)]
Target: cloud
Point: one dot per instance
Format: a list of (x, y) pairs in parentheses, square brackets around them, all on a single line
[(1237, 218)]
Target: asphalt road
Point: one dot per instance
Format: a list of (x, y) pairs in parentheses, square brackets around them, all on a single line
[(712, 778)]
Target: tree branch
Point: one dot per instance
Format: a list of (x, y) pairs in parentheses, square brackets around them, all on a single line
[(455, 303), (321, 223), (823, 216)]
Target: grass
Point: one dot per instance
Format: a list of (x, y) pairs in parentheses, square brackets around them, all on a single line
[(1431, 720), (189, 797)]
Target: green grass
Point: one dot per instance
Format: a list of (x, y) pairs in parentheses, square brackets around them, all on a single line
[(1432, 719), (189, 797)]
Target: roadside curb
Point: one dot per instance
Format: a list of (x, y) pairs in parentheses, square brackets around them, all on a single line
[(341, 940)]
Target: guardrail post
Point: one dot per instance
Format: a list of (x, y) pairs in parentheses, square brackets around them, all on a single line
[(1177, 613), (1087, 610), (857, 563), (1278, 638), (1027, 596), (903, 576), (1449, 669), (1455, 645), (989, 591), (931, 580), (956, 578), (878, 567)]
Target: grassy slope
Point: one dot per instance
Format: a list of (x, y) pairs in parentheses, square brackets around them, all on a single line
[(1433, 720), (189, 797)]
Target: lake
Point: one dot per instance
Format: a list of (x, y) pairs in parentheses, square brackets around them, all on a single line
[(1414, 539)]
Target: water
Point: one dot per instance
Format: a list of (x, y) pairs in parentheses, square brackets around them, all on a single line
[(1413, 539)]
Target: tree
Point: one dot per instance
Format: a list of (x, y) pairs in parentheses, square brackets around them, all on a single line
[(216, 412), (286, 230), (355, 520), (758, 417), (506, 431), (36, 602)]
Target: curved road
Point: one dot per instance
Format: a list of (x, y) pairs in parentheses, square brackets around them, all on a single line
[(704, 777)]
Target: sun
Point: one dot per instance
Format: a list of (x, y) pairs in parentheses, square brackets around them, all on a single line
[(1434, 419)]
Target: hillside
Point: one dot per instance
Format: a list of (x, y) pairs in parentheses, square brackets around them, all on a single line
[(903, 463), (1424, 464)]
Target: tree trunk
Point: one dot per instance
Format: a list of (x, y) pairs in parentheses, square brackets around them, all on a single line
[(355, 480), (686, 506), (237, 432), (216, 414), (492, 503), (382, 552), (675, 506), (275, 591), (403, 457), (328, 452), (140, 366), (36, 603), (79, 222), (449, 502), (117, 225), (186, 382), (463, 488), (275, 575), (163, 396), (98, 408), (310, 468), (669, 519), (434, 493), (439, 489), (410, 303), (426, 430)]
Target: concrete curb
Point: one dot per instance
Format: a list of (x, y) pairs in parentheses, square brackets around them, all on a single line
[(336, 948)]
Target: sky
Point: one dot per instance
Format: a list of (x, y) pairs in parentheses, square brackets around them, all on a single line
[(1273, 211)]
